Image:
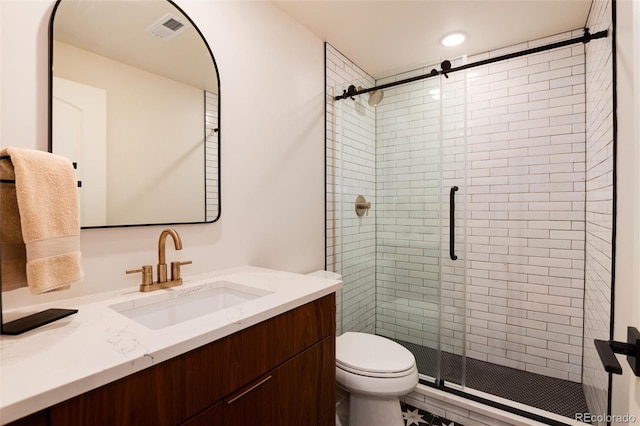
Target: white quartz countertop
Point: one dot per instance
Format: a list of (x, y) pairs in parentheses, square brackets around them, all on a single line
[(98, 345)]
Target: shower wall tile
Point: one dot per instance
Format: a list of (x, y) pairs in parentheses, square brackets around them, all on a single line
[(599, 205), (526, 198), (350, 172)]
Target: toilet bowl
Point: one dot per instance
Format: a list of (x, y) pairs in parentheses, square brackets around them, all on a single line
[(375, 371)]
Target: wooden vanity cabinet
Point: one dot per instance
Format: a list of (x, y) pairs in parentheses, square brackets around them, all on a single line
[(291, 394), (279, 372)]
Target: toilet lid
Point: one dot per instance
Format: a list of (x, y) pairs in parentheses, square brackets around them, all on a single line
[(369, 354)]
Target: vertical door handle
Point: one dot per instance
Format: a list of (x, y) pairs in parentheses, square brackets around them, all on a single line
[(452, 223)]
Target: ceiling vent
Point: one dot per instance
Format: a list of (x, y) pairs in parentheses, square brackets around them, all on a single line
[(166, 27)]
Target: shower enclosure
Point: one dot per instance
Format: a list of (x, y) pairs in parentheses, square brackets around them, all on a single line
[(489, 230)]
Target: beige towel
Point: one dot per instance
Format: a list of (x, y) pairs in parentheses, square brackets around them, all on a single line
[(47, 197), (13, 255)]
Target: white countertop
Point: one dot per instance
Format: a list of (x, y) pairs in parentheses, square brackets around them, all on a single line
[(98, 345)]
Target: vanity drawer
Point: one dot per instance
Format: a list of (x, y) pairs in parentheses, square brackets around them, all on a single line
[(217, 369), (177, 389), (297, 392)]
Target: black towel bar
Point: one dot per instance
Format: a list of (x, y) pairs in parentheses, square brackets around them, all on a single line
[(6, 157), (13, 181)]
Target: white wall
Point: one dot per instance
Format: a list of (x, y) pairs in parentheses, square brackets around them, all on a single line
[(272, 130)]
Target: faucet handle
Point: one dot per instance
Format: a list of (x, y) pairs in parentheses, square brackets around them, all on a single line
[(175, 269), (147, 274)]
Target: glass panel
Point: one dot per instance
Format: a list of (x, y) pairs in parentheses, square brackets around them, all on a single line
[(409, 220), (334, 209), (454, 258), (355, 150)]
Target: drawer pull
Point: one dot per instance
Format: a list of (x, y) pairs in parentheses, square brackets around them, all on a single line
[(235, 398)]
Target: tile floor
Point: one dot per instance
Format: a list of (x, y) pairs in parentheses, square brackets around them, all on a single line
[(412, 416), (418, 417)]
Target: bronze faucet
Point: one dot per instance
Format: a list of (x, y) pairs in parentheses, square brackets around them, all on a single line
[(147, 274), (162, 263)]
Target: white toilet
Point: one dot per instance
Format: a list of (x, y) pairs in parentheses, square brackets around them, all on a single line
[(376, 371)]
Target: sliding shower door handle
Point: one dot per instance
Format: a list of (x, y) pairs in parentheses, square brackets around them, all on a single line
[(452, 222)]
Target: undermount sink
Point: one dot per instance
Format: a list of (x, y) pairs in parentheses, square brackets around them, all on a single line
[(178, 305)]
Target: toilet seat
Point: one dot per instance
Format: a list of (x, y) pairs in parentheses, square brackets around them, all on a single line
[(373, 356)]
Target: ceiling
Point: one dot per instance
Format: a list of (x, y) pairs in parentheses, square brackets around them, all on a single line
[(387, 36)]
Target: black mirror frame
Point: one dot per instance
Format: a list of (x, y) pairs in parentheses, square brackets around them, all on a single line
[(218, 130)]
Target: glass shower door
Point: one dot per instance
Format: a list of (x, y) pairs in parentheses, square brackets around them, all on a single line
[(413, 208), (453, 250), (403, 156)]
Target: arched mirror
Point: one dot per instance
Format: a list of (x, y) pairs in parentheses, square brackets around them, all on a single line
[(135, 103)]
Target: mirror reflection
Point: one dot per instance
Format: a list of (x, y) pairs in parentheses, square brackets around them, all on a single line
[(135, 103)]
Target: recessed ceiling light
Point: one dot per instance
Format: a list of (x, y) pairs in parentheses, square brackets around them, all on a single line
[(453, 39)]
